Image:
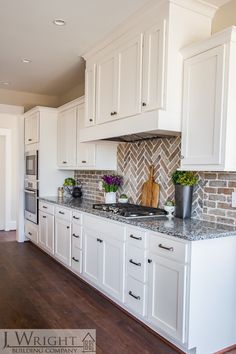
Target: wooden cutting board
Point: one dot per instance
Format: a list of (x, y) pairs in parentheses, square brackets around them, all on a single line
[(150, 191)]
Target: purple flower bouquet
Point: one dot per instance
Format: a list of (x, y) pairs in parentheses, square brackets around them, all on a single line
[(111, 182)]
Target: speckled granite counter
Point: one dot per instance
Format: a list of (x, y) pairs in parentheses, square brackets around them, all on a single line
[(189, 229)]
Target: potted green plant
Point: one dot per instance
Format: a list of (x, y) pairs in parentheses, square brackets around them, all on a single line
[(184, 182), (69, 184)]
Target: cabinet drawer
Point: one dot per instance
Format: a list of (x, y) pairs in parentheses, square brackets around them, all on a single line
[(101, 226), (136, 263), (136, 237), (31, 231), (76, 236), (76, 217), (76, 260), (168, 248), (63, 213), (136, 296), (46, 207)]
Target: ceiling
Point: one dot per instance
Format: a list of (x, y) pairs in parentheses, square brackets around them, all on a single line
[(27, 31)]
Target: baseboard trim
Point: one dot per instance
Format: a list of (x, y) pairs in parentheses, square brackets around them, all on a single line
[(226, 350), (11, 226)]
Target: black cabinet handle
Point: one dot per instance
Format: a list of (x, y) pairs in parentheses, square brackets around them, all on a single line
[(137, 264), (99, 240), (64, 162), (91, 120), (149, 261), (76, 236), (112, 114), (84, 161), (29, 233), (29, 139), (171, 249), (61, 212), (45, 207), (44, 217), (136, 238), (75, 259), (135, 296), (144, 104), (76, 218), (67, 227)]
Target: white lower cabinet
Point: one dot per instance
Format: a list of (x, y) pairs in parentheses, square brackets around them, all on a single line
[(90, 256), (31, 231), (167, 290), (46, 231), (63, 240)]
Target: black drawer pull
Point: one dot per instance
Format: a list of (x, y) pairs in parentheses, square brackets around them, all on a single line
[(29, 139), (91, 120), (76, 236), (83, 161), (171, 249), (75, 217), (61, 212), (44, 216), (75, 259), (64, 162), (137, 264), (136, 297), (45, 207), (29, 233), (99, 240), (136, 238), (149, 261), (67, 227)]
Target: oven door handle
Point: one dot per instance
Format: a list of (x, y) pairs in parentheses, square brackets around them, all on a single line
[(30, 192)]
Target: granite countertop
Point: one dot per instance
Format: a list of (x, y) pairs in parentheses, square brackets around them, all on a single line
[(189, 229)]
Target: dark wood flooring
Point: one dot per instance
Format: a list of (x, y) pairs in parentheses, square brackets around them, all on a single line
[(37, 292)]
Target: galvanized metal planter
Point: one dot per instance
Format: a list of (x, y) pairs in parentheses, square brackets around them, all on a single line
[(183, 201)]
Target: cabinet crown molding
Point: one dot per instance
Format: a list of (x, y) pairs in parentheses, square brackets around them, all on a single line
[(40, 109), (71, 104), (198, 6), (217, 39)]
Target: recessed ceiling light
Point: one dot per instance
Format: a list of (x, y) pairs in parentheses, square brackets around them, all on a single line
[(26, 61), (4, 83), (59, 22)]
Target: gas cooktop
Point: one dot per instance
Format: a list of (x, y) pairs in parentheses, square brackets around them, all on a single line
[(130, 210)]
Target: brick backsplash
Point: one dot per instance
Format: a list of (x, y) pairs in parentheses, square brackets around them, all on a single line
[(212, 195)]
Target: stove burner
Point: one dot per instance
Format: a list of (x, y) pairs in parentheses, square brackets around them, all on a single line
[(130, 210)]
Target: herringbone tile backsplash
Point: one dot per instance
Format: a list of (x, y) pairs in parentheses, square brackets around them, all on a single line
[(134, 161), (212, 195)]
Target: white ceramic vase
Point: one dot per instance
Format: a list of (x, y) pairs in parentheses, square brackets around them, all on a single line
[(110, 197)]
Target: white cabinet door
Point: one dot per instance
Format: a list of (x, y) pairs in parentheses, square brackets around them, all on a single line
[(129, 78), (113, 263), (167, 290), (91, 256), (63, 240), (105, 93), (32, 128), (46, 231), (90, 91), (202, 135), (85, 152), (154, 67), (67, 136)]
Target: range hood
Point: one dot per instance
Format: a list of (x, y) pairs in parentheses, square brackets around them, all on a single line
[(155, 124)]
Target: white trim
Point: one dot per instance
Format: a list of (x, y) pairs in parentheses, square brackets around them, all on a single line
[(20, 234), (8, 109), (8, 177)]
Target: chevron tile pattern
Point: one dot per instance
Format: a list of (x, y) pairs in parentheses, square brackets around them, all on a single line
[(134, 161)]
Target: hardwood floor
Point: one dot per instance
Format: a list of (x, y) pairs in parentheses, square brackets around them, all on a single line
[(37, 292)]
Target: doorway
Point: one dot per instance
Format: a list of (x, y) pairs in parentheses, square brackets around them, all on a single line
[(2, 181)]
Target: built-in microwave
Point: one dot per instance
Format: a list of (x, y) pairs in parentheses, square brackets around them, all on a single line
[(31, 165)]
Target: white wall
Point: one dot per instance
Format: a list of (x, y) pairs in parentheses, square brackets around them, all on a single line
[(9, 119), (225, 17), (2, 181)]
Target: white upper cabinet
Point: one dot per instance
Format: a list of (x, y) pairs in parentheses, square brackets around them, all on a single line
[(90, 82), (75, 155), (32, 128), (106, 85), (67, 122), (209, 106), (129, 78), (154, 67), (140, 71)]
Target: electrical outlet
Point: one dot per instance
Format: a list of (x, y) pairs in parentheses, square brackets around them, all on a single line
[(100, 185), (234, 199)]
